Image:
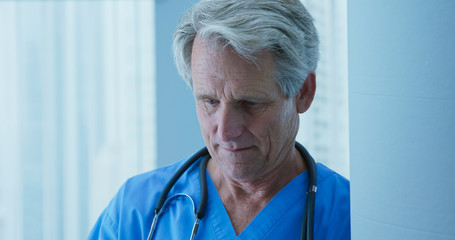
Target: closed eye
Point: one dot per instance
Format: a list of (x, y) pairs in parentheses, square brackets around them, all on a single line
[(251, 103)]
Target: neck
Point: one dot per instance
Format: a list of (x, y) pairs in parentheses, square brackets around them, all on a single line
[(244, 199), (263, 186)]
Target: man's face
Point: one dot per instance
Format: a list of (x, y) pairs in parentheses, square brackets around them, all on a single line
[(248, 124)]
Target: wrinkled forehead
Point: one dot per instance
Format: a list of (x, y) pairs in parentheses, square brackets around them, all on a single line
[(225, 70)]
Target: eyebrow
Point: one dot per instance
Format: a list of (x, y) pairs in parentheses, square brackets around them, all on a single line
[(259, 96), (203, 96), (241, 98)]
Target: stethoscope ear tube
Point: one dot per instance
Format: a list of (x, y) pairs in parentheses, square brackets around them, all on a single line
[(307, 231), (176, 177), (152, 228), (203, 202), (173, 180), (310, 217), (203, 182)]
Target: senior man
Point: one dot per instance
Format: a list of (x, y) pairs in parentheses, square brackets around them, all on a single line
[(251, 67)]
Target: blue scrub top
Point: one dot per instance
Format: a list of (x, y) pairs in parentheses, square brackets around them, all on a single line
[(130, 213)]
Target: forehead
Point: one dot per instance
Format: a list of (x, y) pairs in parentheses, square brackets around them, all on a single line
[(214, 70)]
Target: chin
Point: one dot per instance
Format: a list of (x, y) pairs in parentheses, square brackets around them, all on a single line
[(239, 167)]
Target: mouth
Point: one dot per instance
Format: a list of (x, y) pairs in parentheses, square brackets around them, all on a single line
[(236, 150)]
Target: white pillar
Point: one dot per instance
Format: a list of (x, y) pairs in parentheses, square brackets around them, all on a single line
[(402, 118)]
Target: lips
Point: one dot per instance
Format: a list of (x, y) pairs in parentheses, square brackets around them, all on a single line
[(237, 149)]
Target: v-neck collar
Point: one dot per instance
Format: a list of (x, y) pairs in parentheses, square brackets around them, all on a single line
[(269, 216)]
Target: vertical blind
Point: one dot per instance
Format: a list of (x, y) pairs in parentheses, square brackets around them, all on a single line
[(76, 109)]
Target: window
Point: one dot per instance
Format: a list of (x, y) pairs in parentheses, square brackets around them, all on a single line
[(324, 129), (77, 111)]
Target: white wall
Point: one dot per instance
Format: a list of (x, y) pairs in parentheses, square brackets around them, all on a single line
[(402, 111)]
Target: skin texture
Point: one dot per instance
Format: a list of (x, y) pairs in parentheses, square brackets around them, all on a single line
[(249, 127)]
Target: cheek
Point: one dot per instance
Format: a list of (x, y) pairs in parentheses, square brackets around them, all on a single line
[(284, 124), (290, 123), (267, 127), (205, 122)]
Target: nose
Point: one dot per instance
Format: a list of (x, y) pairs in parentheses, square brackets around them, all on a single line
[(230, 123)]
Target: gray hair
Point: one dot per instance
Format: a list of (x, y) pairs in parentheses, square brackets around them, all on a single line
[(251, 26)]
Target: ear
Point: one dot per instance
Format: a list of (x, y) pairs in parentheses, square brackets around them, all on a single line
[(305, 96)]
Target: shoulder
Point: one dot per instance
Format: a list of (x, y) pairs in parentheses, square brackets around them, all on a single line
[(143, 190), (332, 187), (327, 177), (332, 204), (135, 202), (151, 180)]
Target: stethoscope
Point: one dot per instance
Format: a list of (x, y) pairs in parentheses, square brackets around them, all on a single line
[(307, 231)]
